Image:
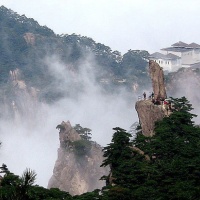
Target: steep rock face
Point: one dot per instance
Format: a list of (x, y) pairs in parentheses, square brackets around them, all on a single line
[(30, 38), (74, 173), (19, 100), (157, 77), (148, 114)]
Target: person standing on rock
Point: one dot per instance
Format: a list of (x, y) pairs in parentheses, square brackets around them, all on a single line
[(152, 95), (144, 94)]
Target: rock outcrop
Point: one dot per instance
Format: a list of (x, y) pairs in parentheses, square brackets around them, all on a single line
[(74, 173), (19, 100), (157, 77), (152, 110), (148, 114), (30, 38)]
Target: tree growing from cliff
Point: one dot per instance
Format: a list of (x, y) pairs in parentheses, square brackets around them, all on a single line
[(85, 133), (174, 151), (164, 166)]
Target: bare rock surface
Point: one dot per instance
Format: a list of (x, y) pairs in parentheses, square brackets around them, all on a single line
[(157, 77), (152, 110), (148, 114), (76, 174), (19, 100), (30, 38)]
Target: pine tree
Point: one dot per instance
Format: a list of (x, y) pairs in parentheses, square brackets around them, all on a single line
[(164, 166), (174, 170)]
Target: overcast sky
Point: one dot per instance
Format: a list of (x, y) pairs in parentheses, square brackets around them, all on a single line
[(120, 24)]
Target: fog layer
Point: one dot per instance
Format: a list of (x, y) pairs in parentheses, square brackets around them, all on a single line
[(32, 140)]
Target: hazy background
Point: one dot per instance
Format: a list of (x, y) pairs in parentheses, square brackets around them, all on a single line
[(120, 24), (31, 140)]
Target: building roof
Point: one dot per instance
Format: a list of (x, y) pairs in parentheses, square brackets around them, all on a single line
[(193, 45), (172, 56), (180, 44), (176, 49), (157, 55), (182, 47), (169, 56)]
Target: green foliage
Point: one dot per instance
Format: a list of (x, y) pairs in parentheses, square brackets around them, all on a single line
[(28, 178), (40, 193), (71, 50), (85, 133), (172, 169), (60, 127), (116, 151), (13, 187), (89, 196), (116, 193), (4, 169), (174, 151), (82, 147)]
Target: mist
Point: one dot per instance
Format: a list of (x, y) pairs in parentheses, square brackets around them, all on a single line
[(187, 83), (31, 139)]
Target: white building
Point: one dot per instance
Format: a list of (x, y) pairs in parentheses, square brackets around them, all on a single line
[(178, 55), (169, 62)]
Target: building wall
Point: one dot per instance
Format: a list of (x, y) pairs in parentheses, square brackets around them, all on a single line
[(165, 64), (169, 65), (176, 64), (191, 57)]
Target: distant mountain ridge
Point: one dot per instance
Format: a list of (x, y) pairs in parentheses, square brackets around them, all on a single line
[(17, 52)]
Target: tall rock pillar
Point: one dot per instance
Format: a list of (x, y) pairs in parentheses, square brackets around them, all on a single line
[(157, 77), (149, 112)]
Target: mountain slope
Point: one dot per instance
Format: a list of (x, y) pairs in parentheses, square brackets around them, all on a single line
[(25, 45)]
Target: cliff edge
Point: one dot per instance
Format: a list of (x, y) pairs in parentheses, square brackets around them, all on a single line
[(153, 109), (77, 171)]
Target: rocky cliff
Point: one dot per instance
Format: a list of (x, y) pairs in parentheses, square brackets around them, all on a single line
[(148, 114), (77, 171), (151, 110), (157, 77), (18, 101)]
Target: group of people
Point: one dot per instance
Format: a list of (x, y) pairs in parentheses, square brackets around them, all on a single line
[(158, 101), (150, 97)]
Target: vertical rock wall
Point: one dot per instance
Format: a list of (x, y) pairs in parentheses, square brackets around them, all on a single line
[(76, 174), (157, 77), (149, 112)]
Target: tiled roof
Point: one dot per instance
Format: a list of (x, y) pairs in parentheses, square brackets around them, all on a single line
[(176, 49), (180, 44), (172, 56), (193, 45), (158, 55)]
